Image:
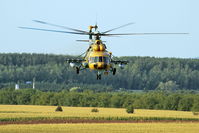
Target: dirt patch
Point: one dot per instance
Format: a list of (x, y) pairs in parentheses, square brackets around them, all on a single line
[(91, 121)]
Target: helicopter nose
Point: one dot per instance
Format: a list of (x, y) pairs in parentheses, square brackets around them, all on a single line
[(100, 65)]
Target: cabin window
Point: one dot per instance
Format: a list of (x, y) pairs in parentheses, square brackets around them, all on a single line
[(92, 59), (106, 59), (96, 59)]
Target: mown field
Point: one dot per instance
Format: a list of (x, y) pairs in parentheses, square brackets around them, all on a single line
[(103, 128)]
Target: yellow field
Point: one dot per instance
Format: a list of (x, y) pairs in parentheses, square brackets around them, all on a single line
[(103, 128), (22, 111), (18, 111)]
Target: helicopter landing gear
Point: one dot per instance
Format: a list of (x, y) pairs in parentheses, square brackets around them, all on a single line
[(77, 70), (114, 71), (99, 77)]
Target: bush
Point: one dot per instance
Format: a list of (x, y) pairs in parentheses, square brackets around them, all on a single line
[(195, 113), (94, 110), (59, 108), (130, 109), (195, 107)]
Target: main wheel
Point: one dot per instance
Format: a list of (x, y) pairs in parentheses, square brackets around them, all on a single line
[(114, 71), (77, 70)]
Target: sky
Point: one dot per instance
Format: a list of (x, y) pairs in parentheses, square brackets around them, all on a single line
[(148, 16)]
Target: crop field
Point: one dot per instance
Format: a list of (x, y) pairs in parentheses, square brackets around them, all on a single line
[(28, 118), (30, 111), (103, 128)]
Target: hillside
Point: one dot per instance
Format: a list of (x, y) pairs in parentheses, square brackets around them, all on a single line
[(52, 73)]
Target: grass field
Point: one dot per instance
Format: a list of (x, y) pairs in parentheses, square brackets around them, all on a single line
[(103, 128)]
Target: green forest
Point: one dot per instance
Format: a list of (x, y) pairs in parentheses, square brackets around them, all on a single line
[(53, 73)]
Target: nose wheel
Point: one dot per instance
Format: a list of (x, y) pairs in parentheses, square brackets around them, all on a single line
[(99, 77)]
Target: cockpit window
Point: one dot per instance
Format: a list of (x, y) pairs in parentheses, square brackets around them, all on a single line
[(99, 59), (106, 59)]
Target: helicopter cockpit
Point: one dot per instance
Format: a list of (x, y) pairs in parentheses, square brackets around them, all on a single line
[(99, 59)]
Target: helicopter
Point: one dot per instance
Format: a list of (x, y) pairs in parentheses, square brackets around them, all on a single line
[(96, 58)]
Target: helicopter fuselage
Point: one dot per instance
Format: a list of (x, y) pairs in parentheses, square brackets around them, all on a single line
[(99, 60), (97, 57)]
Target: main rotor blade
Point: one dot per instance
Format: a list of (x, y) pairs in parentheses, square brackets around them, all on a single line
[(117, 28), (64, 27), (141, 34), (53, 30), (83, 40)]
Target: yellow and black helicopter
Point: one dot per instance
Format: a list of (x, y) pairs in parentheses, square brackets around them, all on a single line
[(96, 57)]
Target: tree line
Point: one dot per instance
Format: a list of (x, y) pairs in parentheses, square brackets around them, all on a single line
[(151, 100), (52, 73)]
